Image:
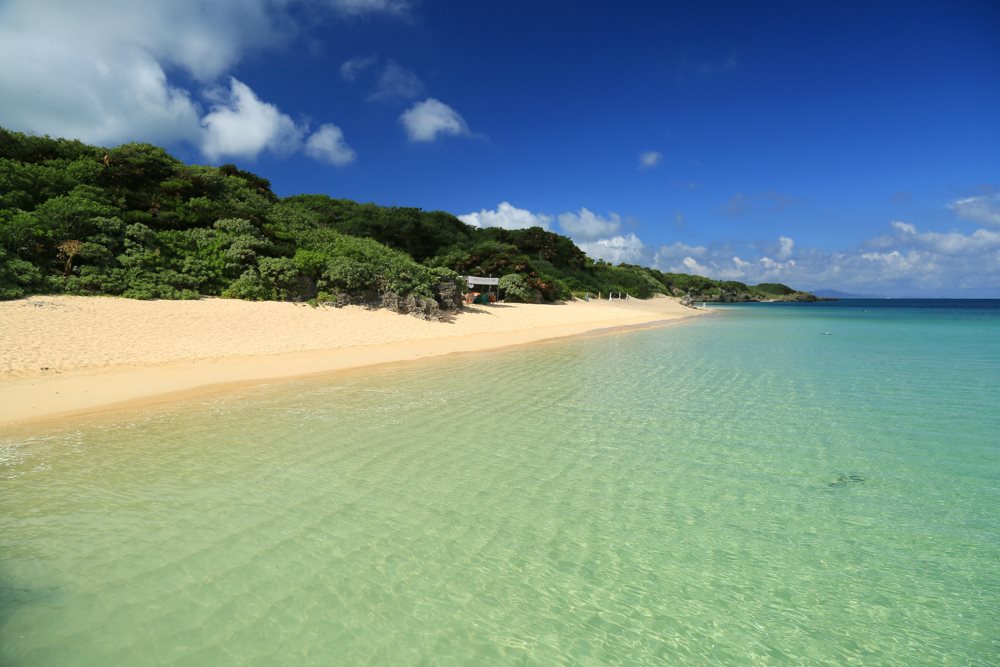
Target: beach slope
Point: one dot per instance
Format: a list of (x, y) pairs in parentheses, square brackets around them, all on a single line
[(65, 355)]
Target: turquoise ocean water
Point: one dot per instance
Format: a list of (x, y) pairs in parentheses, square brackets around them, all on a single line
[(739, 489)]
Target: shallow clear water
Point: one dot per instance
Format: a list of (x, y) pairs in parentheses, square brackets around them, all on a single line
[(738, 489)]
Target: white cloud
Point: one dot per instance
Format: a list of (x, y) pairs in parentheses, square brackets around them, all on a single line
[(649, 159), (507, 217), (616, 250), (904, 261), (691, 265), (907, 261), (786, 247), (351, 69), (395, 82), (949, 243), (74, 78), (327, 145), (722, 263), (98, 71), (775, 266), (668, 257), (426, 120), (903, 227), (984, 209), (241, 125), (587, 225)]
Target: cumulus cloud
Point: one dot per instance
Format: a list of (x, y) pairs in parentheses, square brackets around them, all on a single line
[(99, 71), (327, 145), (587, 225), (984, 209), (649, 159), (395, 82), (241, 125), (616, 250), (351, 69), (426, 120), (506, 216)]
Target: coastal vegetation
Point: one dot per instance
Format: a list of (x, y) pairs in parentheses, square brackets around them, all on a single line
[(134, 221)]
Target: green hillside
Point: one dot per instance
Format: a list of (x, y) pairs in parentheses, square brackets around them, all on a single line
[(134, 221)]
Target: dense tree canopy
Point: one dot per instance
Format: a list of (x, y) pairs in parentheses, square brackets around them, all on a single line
[(133, 221)]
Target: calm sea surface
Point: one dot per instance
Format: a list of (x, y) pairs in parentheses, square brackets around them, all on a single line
[(739, 489)]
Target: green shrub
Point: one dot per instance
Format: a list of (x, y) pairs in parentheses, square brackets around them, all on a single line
[(515, 288), (165, 284), (248, 286), (17, 277)]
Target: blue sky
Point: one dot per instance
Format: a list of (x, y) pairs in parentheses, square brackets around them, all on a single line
[(844, 145)]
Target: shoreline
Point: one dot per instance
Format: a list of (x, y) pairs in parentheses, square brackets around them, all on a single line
[(74, 357)]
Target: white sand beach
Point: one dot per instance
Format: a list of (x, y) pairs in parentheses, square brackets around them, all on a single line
[(65, 355)]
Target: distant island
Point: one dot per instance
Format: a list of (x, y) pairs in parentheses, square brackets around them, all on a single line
[(134, 221)]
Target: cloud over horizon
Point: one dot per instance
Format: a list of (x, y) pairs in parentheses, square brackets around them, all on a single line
[(904, 262)]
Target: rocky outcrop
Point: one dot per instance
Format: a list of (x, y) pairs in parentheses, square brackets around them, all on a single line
[(449, 295), (425, 309)]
